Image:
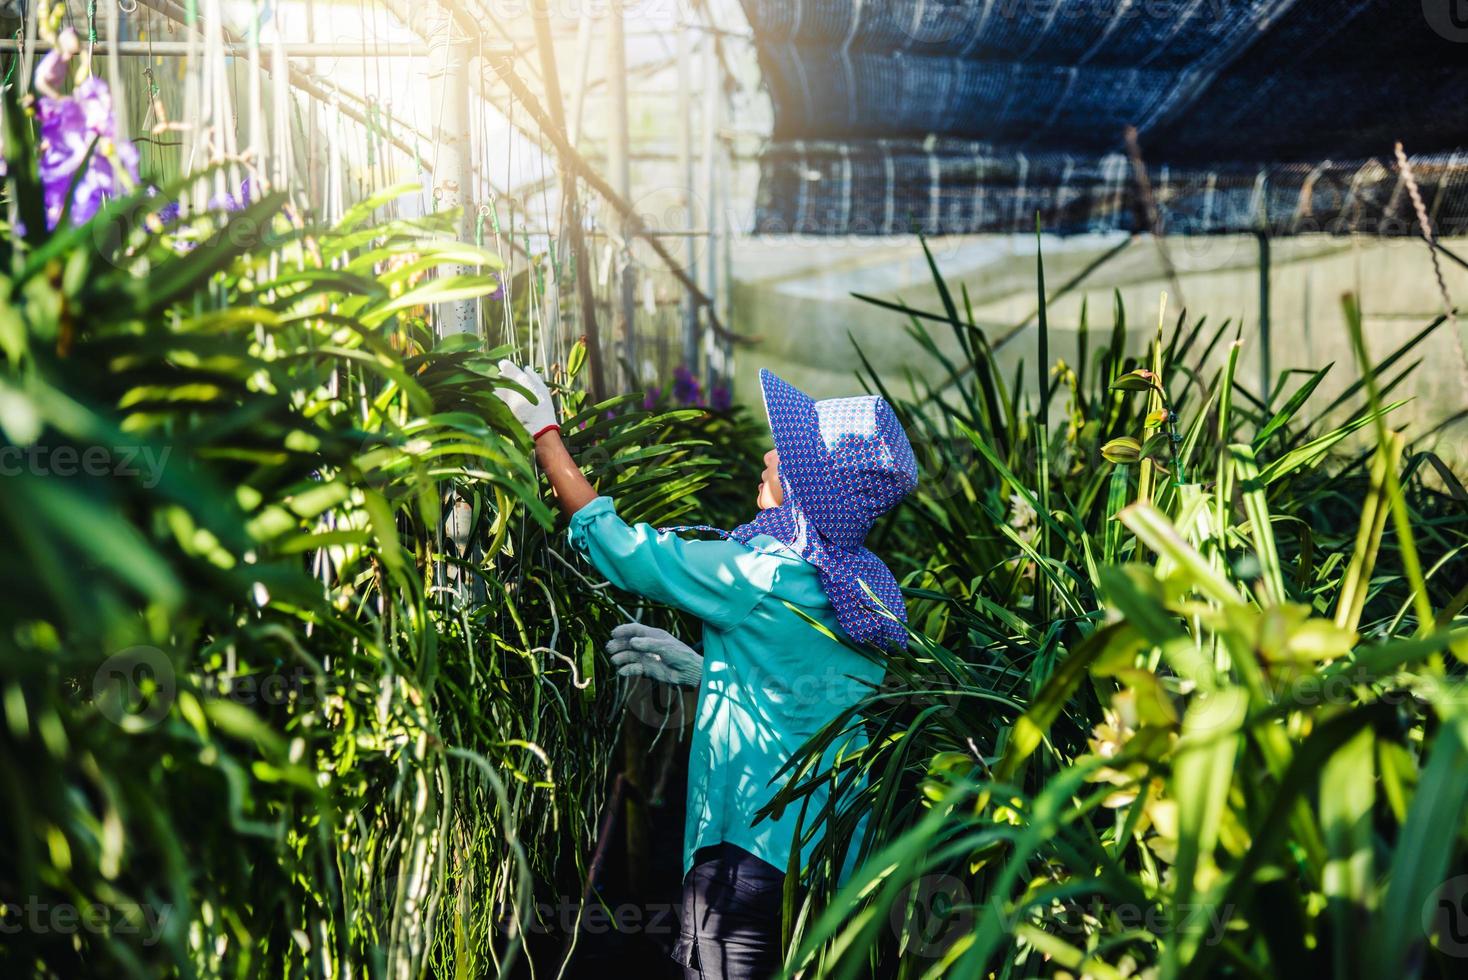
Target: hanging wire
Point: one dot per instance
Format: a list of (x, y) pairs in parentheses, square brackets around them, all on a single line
[(20, 45)]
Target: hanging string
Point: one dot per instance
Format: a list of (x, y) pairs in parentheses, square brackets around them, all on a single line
[(510, 236), (20, 45), (390, 134), (153, 103), (426, 191)]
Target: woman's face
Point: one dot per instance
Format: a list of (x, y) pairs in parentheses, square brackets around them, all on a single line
[(771, 494)]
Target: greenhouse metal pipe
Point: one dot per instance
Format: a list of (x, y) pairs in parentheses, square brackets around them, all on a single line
[(308, 83), (481, 14), (568, 153), (595, 181), (303, 80), (599, 233), (505, 71), (299, 49)]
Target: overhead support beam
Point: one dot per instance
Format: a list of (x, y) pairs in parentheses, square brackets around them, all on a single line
[(170, 49), (505, 72), (348, 103), (544, 130)]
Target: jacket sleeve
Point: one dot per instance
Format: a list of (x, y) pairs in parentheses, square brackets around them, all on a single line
[(717, 581)]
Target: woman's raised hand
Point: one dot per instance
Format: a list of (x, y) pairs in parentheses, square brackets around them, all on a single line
[(538, 415)]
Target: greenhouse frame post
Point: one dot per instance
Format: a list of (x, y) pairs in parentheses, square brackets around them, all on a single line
[(448, 75)]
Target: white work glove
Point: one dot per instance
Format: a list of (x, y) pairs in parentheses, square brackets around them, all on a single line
[(537, 416), (645, 651)]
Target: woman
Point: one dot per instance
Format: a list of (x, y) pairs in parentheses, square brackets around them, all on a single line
[(768, 679)]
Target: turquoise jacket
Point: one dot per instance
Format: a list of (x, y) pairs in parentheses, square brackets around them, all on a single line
[(771, 680)]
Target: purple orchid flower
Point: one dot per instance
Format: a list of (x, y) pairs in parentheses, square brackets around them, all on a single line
[(69, 125), (720, 398), (234, 202), (50, 73), (686, 388), (169, 213), (651, 398)]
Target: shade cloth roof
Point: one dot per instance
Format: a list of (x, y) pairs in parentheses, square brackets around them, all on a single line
[(954, 116)]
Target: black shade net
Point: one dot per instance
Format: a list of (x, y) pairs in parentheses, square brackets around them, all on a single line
[(957, 116)]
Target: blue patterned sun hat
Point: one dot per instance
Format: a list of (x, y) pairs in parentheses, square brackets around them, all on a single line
[(844, 462)]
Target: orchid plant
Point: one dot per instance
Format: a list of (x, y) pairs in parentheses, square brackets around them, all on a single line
[(82, 161)]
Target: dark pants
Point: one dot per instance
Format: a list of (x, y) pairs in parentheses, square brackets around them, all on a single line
[(731, 916)]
